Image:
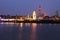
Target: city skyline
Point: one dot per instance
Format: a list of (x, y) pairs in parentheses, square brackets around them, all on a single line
[(21, 7)]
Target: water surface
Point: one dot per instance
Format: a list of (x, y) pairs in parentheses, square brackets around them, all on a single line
[(29, 31)]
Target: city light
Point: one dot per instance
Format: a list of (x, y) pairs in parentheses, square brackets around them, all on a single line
[(34, 15), (30, 18)]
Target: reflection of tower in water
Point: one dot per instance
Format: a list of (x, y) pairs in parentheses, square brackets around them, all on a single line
[(20, 31), (21, 26), (27, 24), (33, 33)]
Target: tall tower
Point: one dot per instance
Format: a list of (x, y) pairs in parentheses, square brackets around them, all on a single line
[(56, 14), (40, 11), (34, 15)]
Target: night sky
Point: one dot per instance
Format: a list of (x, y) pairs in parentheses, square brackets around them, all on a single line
[(25, 7)]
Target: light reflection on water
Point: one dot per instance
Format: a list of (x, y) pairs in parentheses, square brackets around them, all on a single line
[(29, 31), (21, 25), (33, 32), (27, 24)]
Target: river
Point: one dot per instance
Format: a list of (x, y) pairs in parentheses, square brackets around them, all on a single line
[(29, 31)]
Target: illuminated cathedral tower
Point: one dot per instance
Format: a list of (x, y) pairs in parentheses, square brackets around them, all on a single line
[(40, 11), (34, 15)]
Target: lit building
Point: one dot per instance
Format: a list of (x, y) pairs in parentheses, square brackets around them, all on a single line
[(34, 15), (40, 13)]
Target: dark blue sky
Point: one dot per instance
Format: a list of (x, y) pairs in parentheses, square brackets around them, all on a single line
[(25, 7)]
